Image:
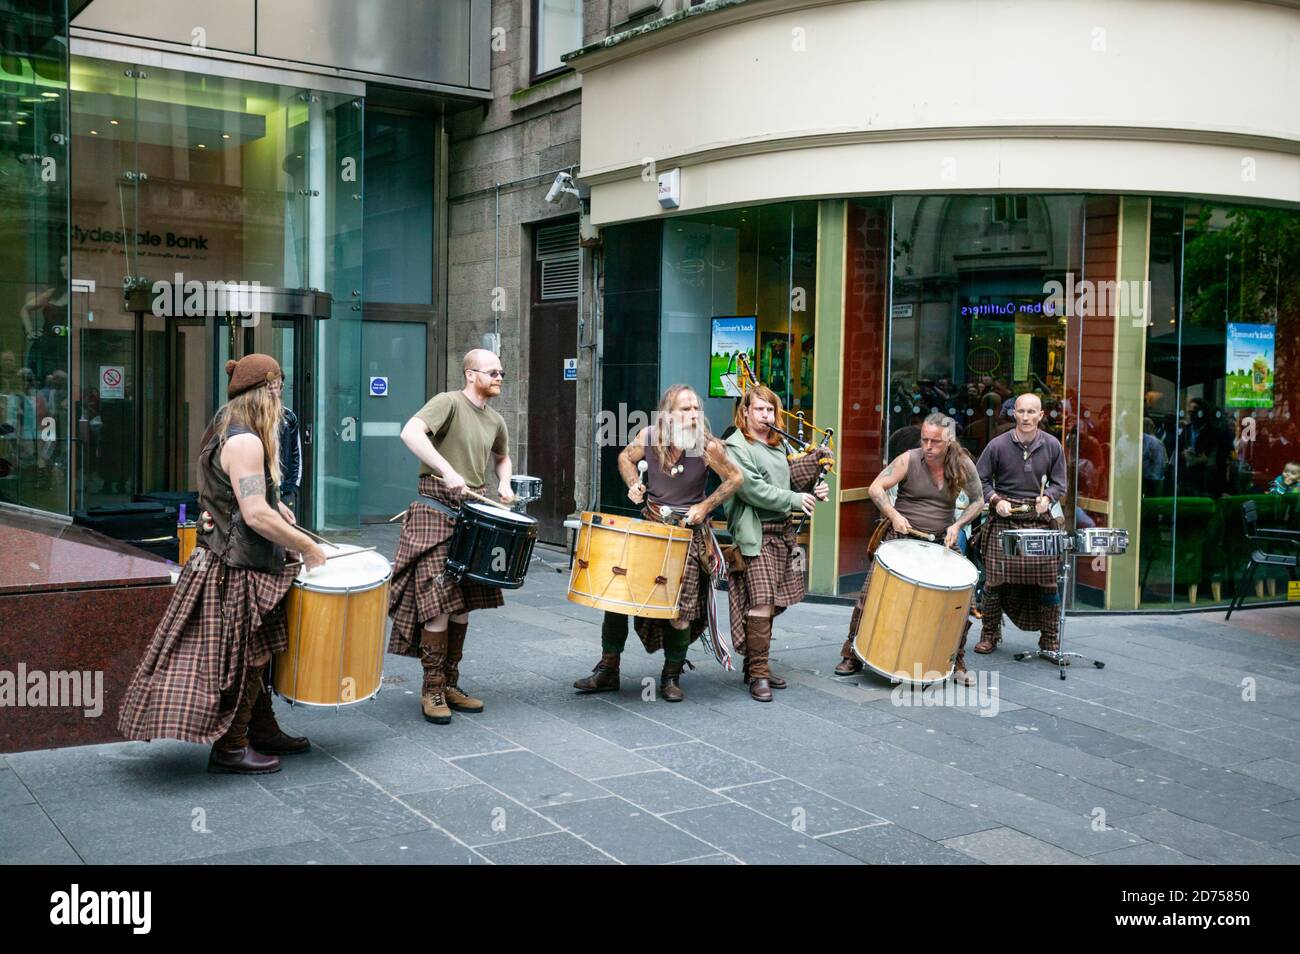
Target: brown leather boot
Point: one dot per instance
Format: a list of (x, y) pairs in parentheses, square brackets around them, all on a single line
[(988, 640), (604, 678), (1049, 644), (669, 688), (960, 674), (758, 642), (232, 752), (773, 680), (433, 694), (265, 734), (849, 663), (456, 699)]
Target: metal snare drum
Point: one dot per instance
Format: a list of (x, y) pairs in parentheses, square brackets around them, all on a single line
[(1101, 541), (526, 489), (1036, 543)]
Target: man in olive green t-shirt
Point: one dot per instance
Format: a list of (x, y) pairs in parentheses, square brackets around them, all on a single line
[(455, 437)]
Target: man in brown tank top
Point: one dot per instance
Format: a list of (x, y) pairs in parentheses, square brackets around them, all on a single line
[(929, 480), (678, 450)]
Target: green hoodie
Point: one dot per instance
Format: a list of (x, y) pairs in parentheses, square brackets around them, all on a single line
[(764, 496)]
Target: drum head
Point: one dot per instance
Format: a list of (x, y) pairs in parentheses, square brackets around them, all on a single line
[(491, 514), (927, 563), (362, 571)]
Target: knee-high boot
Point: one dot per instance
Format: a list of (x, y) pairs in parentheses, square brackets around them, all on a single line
[(758, 641), (232, 752), (433, 694)]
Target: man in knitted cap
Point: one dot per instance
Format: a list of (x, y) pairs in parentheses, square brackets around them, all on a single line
[(456, 436), (201, 678)]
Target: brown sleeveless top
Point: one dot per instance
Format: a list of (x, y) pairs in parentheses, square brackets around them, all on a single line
[(231, 539), (683, 489), (925, 505)]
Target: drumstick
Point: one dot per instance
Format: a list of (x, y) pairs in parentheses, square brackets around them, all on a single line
[(335, 556), (487, 500), (318, 538), (921, 534), (398, 516)]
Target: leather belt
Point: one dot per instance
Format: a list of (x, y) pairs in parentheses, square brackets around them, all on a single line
[(437, 505)]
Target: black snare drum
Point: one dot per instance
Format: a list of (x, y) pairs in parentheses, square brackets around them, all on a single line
[(491, 546)]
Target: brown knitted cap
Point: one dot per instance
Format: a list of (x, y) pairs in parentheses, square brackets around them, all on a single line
[(249, 372)]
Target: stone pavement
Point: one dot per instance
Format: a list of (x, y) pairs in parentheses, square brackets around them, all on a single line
[(1184, 749)]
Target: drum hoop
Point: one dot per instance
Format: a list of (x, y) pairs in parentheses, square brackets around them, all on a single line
[(921, 583), (683, 536), (343, 591), (894, 677), (336, 705)]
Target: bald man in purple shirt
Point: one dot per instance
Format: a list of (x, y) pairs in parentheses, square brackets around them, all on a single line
[(1023, 473)]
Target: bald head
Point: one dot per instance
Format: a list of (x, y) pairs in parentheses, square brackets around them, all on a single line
[(480, 358), (483, 375), (1029, 411)]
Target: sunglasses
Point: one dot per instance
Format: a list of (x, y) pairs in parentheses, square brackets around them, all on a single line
[(491, 374)]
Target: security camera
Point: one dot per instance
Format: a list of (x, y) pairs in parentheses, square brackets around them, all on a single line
[(562, 185)]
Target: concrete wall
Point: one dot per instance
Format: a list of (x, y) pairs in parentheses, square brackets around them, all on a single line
[(778, 99)]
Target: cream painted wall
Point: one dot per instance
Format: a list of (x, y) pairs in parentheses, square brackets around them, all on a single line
[(1173, 95)]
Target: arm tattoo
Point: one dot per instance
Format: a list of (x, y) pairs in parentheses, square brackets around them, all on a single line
[(254, 486)]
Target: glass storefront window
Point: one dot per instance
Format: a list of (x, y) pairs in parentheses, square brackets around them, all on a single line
[(35, 289)]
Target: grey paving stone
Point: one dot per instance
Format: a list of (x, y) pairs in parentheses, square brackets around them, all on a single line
[(1144, 854), (323, 852), (351, 810), (56, 771), (28, 837), (1204, 842), (578, 751), (915, 811), (529, 778), (1234, 782), (458, 738), (12, 790), (802, 808), (1028, 747), (400, 765), (709, 860), (628, 833), (619, 721), (426, 847), (328, 728), (1072, 794), (308, 768), (560, 848), (148, 825), (478, 814), (710, 766), (1193, 745), (1005, 846), (1224, 812), (1264, 744), (1067, 732), (892, 845), (661, 791), (754, 838), (941, 747), (853, 715)]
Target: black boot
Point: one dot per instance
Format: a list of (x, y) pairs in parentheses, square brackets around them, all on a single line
[(265, 734), (232, 752)]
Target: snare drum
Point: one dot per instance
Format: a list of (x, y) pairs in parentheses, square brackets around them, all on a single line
[(526, 488), (1101, 541), (1036, 543), (336, 631), (915, 611), (491, 545), (629, 566)]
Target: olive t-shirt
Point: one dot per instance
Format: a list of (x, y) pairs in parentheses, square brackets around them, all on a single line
[(465, 434)]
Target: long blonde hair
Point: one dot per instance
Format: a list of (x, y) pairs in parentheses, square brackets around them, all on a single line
[(260, 411)]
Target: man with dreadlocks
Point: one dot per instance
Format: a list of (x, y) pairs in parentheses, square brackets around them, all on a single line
[(679, 450), (201, 678), (929, 480)]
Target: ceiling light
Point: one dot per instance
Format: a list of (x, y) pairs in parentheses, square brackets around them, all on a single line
[(202, 146), (50, 95), (94, 132), (225, 135), (113, 122)]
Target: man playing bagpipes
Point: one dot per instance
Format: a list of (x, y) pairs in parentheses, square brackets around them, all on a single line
[(676, 453), (765, 577), (929, 480)]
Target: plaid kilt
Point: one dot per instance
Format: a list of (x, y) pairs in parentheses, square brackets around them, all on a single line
[(415, 595), (189, 680), (806, 470), (769, 578), (1021, 579), (693, 603)]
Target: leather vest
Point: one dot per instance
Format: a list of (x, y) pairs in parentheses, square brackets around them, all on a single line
[(231, 539)]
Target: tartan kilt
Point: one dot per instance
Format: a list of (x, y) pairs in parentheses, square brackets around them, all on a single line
[(1020, 580), (693, 603), (768, 578), (1000, 568), (188, 683), (415, 594)]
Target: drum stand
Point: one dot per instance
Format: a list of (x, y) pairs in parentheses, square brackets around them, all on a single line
[(1063, 578)]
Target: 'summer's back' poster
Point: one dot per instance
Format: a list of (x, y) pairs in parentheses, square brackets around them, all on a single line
[(1248, 366), (731, 336)]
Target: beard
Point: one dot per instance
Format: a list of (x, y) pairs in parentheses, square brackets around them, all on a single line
[(687, 438)]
